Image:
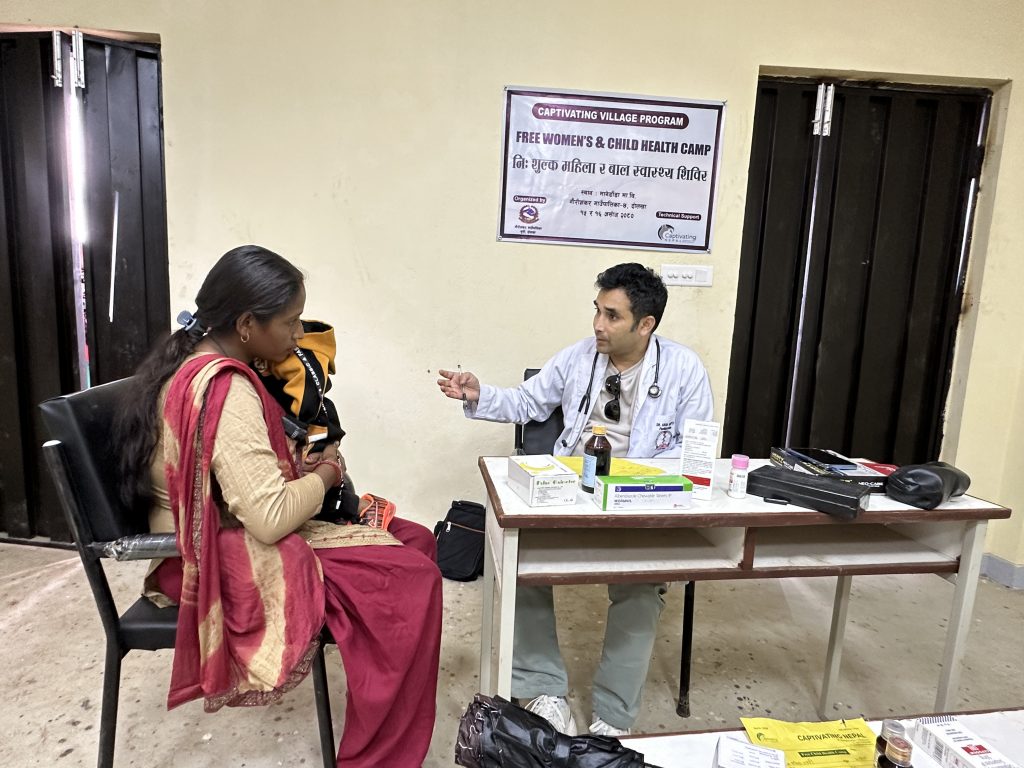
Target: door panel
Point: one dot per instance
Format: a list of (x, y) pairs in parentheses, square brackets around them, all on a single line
[(121, 331), (876, 282), (34, 346), (38, 280), (901, 196), (781, 166)]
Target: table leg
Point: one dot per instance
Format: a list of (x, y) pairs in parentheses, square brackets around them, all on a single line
[(507, 613), (835, 645), (960, 615), (686, 652), (487, 606)]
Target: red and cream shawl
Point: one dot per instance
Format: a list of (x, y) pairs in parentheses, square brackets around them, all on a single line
[(250, 613)]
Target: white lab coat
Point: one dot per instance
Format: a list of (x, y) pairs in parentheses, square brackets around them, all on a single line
[(657, 422)]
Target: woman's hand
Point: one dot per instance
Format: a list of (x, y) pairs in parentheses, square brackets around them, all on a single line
[(327, 471)]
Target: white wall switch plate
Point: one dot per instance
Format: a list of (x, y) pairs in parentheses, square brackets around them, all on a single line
[(687, 274)]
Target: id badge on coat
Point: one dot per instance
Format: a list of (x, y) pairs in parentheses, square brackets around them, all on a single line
[(665, 432)]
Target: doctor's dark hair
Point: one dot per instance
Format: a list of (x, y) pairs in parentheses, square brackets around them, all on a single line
[(245, 279), (646, 292)]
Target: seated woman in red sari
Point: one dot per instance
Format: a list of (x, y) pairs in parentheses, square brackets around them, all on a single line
[(258, 577)]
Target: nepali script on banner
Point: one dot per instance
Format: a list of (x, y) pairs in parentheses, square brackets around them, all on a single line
[(608, 169)]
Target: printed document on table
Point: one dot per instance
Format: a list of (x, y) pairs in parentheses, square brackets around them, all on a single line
[(832, 744), (620, 467), (734, 752)]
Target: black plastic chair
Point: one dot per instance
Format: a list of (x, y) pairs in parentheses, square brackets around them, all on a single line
[(82, 459), (538, 437)]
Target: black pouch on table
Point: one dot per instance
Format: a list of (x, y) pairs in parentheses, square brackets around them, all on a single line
[(926, 486), (460, 541), (825, 494)]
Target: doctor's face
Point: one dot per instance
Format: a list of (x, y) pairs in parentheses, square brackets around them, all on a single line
[(619, 335)]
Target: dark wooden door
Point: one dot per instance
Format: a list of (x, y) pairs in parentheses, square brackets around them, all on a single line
[(852, 268), (59, 210), (125, 256), (36, 340)]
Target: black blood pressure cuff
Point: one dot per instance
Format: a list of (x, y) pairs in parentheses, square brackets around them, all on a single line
[(926, 486)]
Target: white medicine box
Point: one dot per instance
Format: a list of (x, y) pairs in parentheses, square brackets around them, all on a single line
[(542, 481)]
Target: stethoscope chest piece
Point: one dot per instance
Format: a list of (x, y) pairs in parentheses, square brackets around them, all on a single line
[(654, 390)]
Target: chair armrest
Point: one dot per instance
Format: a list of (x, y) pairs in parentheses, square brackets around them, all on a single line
[(143, 546)]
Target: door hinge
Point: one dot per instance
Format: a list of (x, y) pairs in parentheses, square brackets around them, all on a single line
[(77, 59), (821, 125), (58, 63)]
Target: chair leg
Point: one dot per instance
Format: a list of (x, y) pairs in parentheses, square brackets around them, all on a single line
[(108, 710), (323, 708), (683, 705)]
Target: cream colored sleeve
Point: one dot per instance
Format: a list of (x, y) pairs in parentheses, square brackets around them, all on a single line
[(246, 468)]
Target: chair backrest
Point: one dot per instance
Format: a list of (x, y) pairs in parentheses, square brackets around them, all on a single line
[(83, 422), (83, 462), (537, 437)]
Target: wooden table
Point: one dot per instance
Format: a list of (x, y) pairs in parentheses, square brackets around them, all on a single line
[(724, 538)]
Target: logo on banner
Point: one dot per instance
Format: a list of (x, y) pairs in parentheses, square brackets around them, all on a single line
[(667, 234), (529, 214)]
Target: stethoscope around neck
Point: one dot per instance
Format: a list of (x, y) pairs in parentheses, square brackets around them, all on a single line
[(652, 391)]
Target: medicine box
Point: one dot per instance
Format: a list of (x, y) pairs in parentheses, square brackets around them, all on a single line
[(626, 493), (542, 481), (952, 745)]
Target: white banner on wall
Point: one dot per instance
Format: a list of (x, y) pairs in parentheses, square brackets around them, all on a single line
[(609, 170)]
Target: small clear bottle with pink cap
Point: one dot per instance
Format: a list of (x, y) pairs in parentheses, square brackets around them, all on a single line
[(738, 476)]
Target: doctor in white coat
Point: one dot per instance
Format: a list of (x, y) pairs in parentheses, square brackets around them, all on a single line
[(640, 387)]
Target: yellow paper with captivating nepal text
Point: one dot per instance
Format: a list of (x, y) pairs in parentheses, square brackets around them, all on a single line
[(619, 466), (831, 744)]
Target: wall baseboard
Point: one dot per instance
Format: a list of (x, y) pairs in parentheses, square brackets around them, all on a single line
[(1002, 571)]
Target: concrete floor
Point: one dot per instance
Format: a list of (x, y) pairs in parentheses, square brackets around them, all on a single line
[(758, 650)]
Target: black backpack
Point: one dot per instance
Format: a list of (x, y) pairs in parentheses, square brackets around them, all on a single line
[(460, 541)]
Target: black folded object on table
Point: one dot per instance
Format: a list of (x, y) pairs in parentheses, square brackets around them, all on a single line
[(926, 486), (495, 733), (825, 494)]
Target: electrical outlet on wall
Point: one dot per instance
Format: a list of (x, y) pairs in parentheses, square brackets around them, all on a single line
[(697, 275)]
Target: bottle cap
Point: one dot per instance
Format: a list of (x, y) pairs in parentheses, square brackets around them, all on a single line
[(898, 750), (740, 461), (892, 728), (598, 429)]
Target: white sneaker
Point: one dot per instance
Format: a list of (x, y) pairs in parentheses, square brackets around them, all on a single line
[(554, 709), (600, 728)]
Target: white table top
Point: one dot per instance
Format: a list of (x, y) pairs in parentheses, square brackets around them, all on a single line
[(720, 503), (1004, 731)]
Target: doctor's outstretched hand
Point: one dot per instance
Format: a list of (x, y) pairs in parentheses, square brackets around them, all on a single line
[(459, 385)]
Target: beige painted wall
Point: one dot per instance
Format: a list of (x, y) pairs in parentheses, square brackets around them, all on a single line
[(362, 141)]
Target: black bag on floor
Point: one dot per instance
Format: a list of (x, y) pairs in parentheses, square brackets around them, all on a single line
[(460, 541)]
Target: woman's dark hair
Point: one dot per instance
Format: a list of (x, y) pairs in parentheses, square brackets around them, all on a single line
[(646, 292), (245, 279)]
